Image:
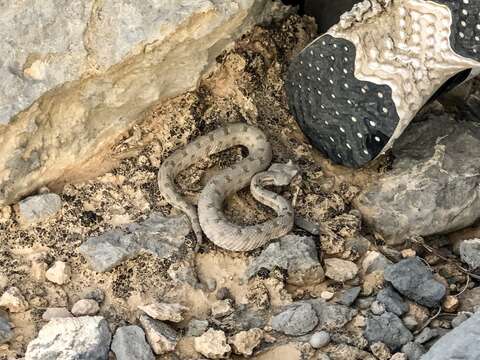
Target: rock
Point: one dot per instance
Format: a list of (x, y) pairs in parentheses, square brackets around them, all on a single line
[(65, 61), (399, 356), (213, 344), (196, 327), (377, 308), (38, 270), (430, 189), (381, 351), (85, 307), (459, 319), (223, 294), (460, 343), (157, 235), (295, 254), (374, 261), (297, 319), (388, 329), (392, 300), (413, 350), (327, 295), (320, 339), (470, 299), (245, 342), (348, 352), (129, 343), (450, 304), (161, 337), (59, 273), (470, 253), (96, 294), (413, 279), (340, 270), (348, 297), (71, 338), (428, 334), (6, 332), (164, 312), (13, 300), (331, 316), (56, 312), (222, 308), (38, 208)]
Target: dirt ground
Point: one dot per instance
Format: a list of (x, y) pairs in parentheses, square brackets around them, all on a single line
[(246, 87)]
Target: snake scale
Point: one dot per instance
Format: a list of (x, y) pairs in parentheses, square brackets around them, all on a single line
[(250, 170)]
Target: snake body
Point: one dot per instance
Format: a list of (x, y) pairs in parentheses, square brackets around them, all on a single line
[(251, 170)]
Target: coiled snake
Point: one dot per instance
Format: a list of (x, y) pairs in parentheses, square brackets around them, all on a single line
[(250, 170)]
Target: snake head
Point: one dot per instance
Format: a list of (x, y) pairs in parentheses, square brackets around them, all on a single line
[(284, 173)]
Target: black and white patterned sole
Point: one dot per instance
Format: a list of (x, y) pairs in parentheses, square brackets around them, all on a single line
[(355, 89)]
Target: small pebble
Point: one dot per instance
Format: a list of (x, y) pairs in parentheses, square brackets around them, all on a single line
[(59, 273), (406, 253), (320, 339), (85, 307), (450, 304), (327, 295), (377, 308), (97, 294)]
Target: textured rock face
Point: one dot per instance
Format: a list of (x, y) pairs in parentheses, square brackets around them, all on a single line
[(75, 76), (460, 343), (71, 338), (433, 187)]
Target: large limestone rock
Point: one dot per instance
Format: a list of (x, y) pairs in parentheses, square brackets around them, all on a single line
[(76, 75), (434, 185)]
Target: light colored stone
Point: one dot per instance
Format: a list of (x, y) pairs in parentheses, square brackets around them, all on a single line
[(297, 255), (381, 351), (320, 339), (71, 338), (297, 319), (161, 337), (13, 300), (399, 356), (327, 295), (56, 312), (164, 311), (432, 187), (76, 76), (222, 308), (340, 270), (59, 273), (38, 270), (35, 209), (245, 342), (213, 344), (158, 235), (85, 307), (450, 304), (129, 344), (470, 252)]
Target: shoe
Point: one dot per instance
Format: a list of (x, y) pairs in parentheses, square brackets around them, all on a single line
[(356, 88)]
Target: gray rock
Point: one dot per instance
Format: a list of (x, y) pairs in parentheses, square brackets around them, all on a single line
[(470, 299), (296, 320), (377, 308), (374, 261), (100, 65), (96, 294), (392, 300), (6, 332), (413, 350), (157, 235), (428, 334), (129, 343), (197, 327), (161, 337), (470, 253), (331, 316), (348, 297), (56, 312), (388, 329), (297, 255), (320, 339), (413, 279), (459, 319), (460, 343), (433, 186), (37, 208), (85, 307), (83, 338)]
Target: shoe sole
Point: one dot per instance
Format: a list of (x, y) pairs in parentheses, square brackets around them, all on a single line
[(355, 89)]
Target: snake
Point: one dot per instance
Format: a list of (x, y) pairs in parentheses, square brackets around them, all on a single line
[(209, 217)]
